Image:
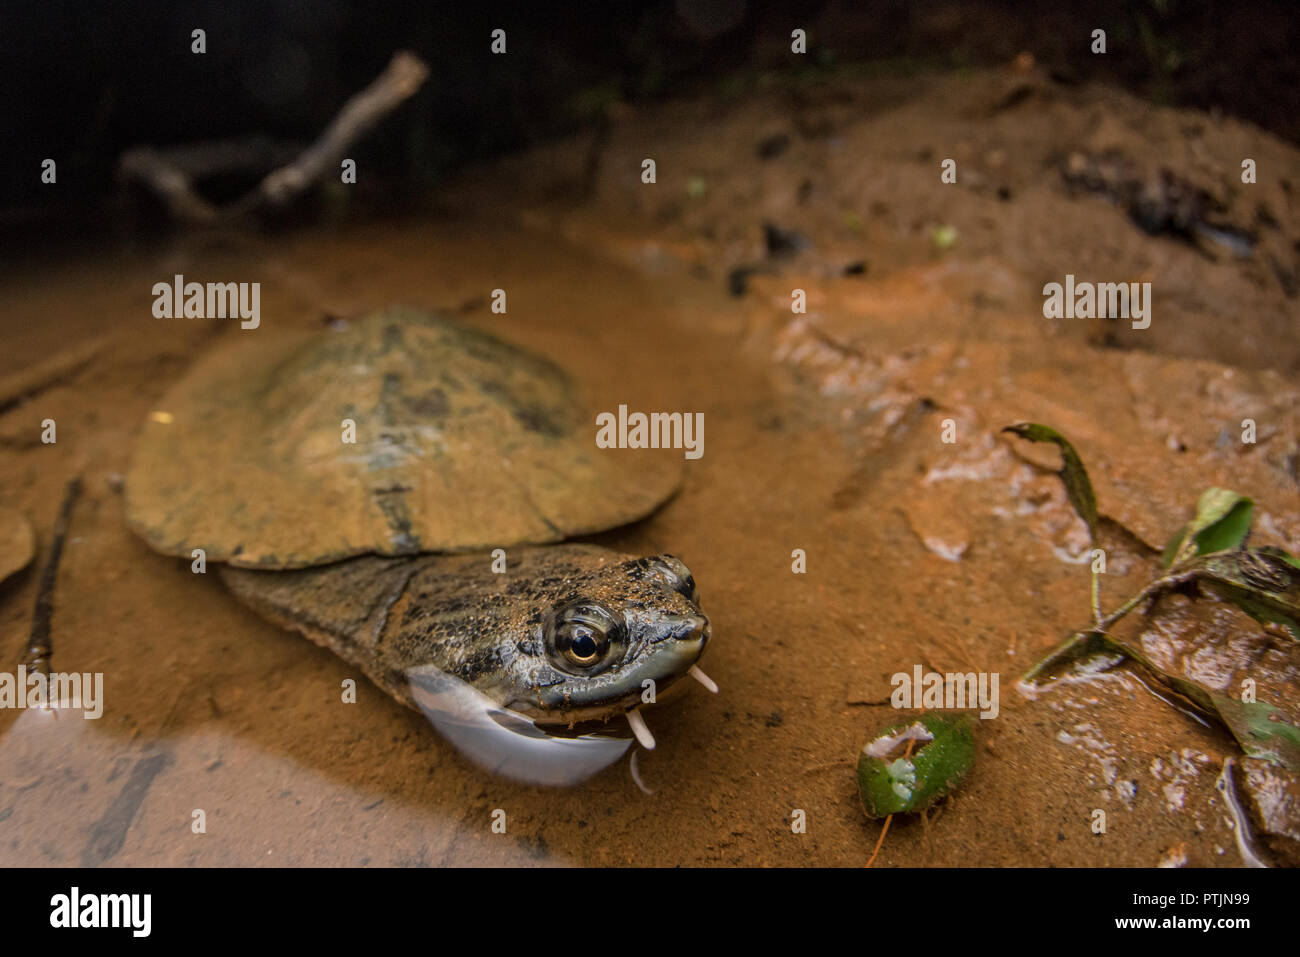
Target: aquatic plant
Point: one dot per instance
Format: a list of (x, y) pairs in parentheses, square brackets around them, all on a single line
[(1210, 552)]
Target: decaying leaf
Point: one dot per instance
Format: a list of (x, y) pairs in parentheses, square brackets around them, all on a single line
[(1262, 582), (890, 782)]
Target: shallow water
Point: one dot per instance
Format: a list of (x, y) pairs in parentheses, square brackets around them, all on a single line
[(207, 708), (822, 434)]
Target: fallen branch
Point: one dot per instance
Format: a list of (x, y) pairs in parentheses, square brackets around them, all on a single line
[(170, 175)]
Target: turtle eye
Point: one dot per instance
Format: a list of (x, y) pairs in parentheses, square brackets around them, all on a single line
[(584, 638)]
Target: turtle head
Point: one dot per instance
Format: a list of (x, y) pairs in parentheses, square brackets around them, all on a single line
[(569, 638), (547, 654), (608, 640)]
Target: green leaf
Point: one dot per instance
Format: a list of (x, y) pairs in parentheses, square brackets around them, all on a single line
[(1228, 532), (943, 751), (1222, 522), (1077, 485)]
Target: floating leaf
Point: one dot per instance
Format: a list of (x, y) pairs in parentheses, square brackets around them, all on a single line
[(1222, 522), (1077, 485), (943, 751)]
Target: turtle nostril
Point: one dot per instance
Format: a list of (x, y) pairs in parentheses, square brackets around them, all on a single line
[(695, 628)]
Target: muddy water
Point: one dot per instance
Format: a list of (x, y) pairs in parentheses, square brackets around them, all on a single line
[(916, 554)]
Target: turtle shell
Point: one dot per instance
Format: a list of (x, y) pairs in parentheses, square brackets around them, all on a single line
[(459, 441)]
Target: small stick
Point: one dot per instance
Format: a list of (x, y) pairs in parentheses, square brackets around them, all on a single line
[(879, 841), (164, 173), (39, 647), (405, 74)]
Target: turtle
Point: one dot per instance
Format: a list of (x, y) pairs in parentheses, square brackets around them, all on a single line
[(402, 489)]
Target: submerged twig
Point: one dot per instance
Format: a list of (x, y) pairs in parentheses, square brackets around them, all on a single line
[(881, 840), (39, 646)]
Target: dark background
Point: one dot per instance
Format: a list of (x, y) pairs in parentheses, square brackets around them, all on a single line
[(83, 80)]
